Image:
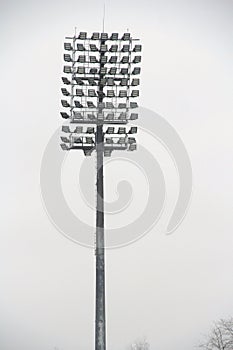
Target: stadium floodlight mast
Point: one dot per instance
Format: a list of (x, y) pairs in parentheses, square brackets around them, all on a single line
[(101, 83)]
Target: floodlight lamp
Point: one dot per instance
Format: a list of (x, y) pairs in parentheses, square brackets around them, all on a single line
[(66, 129), (109, 105), (133, 130), (68, 46), (124, 82), (109, 140), (91, 116), (78, 104), (137, 59), (124, 71), (103, 48), (65, 92), (90, 130), (104, 36), (113, 48), (137, 48), (126, 36), (131, 140), (93, 70), (110, 116), (103, 59), (91, 93), (114, 36), (101, 93), (101, 105), (132, 147), (92, 81), (103, 70), (77, 140), (81, 70), (93, 47), (77, 115), (67, 69), (107, 153), (65, 139), (78, 130), (65, 103), (64, 115), (110, 93), (121, 140), (102, 81), (133, 105), (110, 130), (135, 93), (65, 81), (136, 71), (122, 116), (82, 36), (95, 36), (80, 47), (64, 147), (78, 81), (121, 130), (81, 59), (67, 58), (122, 93), (93, 59), (79, 92), (90, 104), (112, 71), (110, 82), (135, 82), (113, 59), (89, 140), (122, 105), (125, 48), (125, 59)]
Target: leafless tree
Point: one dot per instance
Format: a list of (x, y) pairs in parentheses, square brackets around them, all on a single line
[(140, 345), (220, 337)]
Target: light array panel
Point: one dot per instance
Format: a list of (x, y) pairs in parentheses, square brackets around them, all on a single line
[(101, 82)]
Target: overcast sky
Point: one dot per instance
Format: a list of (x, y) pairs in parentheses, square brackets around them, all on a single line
[(166, 288)]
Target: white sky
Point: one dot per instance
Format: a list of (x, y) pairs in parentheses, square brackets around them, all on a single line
[(167, 288)]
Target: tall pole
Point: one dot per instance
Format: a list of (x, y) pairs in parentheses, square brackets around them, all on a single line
[(117, 80), (100, 327)]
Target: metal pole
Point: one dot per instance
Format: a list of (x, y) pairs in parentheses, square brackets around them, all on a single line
[(100, 331)]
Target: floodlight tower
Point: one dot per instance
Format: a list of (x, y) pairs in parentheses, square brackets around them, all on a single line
[(103, 79)]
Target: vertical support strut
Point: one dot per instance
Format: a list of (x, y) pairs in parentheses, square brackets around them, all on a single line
[(100, 326)]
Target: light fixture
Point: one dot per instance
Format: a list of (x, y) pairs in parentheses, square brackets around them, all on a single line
[(64, 147), (66, 129), (126, 36), (137, 59), (67, 69), (137, 48), (82, 36), (114, 36), (65, 115), (65, 103), (65, 81), (67, 58), (80, 47), (135, 93), (68, 47), (113, 48), (95, 36), (136, 71), (65, 92)]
